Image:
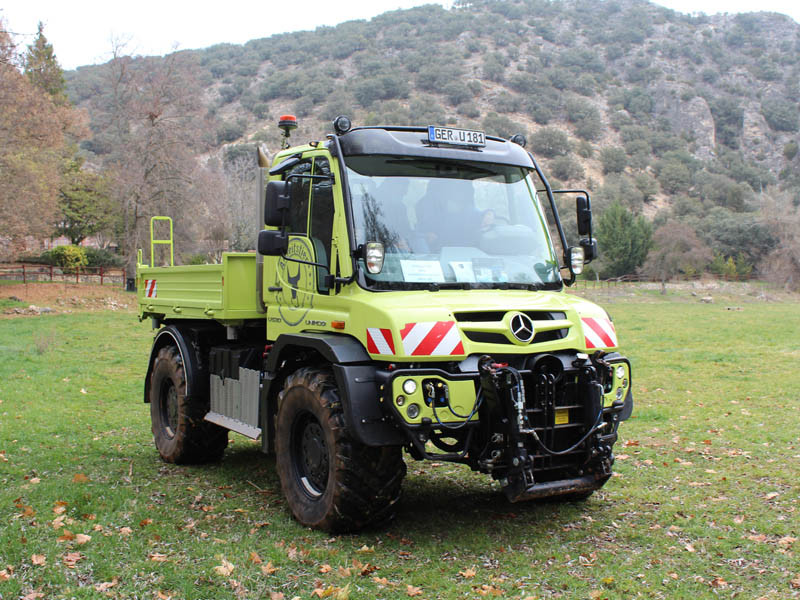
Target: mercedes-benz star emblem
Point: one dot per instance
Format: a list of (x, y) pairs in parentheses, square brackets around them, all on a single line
[(522, 327)]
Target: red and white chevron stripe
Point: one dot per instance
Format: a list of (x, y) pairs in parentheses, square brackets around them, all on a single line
[(433, 338), (379, 341), (599, 333), (150, 288)]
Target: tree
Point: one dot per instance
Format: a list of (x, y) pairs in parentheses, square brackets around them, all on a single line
[(42, 68), (84, 203), (624, 241), (676, 250), (550, 142), (157, 125), (32, 129), (613, 159)]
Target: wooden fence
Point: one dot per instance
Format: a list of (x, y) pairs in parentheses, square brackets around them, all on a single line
[(30, 272)]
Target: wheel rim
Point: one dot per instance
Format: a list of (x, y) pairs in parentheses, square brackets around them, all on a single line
[(169, 408), (310, 455)]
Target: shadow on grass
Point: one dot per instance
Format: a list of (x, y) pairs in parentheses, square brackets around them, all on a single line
[(436, 502)]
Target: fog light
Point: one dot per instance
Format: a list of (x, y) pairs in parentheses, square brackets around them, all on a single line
[(400, 400), (619, 393), (412, 411), (620, 372), (409, 386)]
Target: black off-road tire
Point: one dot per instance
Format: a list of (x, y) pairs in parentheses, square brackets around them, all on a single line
[(330, 481), (179, 431)]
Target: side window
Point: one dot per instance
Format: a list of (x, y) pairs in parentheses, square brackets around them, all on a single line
[(300, 192), (321, 230)]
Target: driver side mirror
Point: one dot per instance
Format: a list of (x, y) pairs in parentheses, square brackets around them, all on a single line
[(276, 203), (584, 211)]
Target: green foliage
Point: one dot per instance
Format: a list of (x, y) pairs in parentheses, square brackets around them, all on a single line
[(780, 114), (230, 131), (566, 168), (84, 203), (100, 257), (43, 70), (613, 159), (494, 67), (585, 117), (790, 150), (730, 233), (728, 119), (550, 142), (624, 240), (68, 258), (502, 126)]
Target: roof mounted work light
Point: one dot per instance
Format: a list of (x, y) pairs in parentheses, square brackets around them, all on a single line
[(342, 125)]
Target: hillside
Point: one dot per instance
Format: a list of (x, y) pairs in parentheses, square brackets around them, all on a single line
[(681, 117)]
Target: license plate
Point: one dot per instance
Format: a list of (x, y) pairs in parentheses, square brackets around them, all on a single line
[(562, 416), (456, 137)]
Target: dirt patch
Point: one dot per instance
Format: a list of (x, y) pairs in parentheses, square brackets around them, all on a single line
[(39, 298)]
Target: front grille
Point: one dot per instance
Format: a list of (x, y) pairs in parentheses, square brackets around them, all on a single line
[(497, 316), (487, 337)]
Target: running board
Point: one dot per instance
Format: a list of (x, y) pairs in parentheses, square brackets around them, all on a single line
[(234, 425)]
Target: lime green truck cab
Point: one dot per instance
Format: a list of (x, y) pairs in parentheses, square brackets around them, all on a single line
[(406, 297)]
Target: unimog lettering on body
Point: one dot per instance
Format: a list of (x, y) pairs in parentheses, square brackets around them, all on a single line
[(406, 297)]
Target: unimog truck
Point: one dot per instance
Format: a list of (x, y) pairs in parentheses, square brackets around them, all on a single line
[(406, 297)]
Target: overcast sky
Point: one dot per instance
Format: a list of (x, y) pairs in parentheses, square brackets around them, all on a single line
[(81, 32)]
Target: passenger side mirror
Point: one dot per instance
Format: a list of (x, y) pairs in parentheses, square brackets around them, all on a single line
[(584, 210), (276, 203), (272, 243)]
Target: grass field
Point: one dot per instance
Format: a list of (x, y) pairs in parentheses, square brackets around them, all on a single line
[(704, 502)]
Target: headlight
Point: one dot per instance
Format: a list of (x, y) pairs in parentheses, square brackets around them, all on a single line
[(620, 372), (409, 386)]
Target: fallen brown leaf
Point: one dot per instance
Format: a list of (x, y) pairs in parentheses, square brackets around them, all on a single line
[(225, 569), (38, 559), (67, 536), (718, 582), (106, 585), (33, 596), (276, 596), (255, 558), (82, 538), (125, 531), (268, 569), (71, 559), (345, 572), (413, 591), (145, 522), (157, 557), (79, 478), (468, 573)]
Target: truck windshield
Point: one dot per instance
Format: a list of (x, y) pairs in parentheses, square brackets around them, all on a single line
[(451, 224)]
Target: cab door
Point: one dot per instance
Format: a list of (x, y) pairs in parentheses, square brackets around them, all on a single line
[(296, 288)]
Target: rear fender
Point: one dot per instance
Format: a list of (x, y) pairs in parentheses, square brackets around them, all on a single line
[(173, 335)]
